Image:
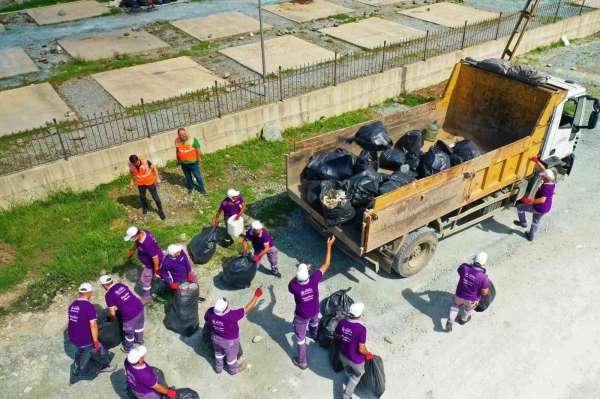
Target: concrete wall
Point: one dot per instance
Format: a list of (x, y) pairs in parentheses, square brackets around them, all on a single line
[(87, 171)]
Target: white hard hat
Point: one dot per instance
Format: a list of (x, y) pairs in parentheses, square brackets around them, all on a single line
[(220, 306), (302, 273), (85, 287), (136, 354), (256, 225), (356, 309), (106, 279), (549, 174), (131, 232), (481, 258), (173, 249), (232, 192)]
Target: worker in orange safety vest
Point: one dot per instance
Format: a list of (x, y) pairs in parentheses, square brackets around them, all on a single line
[(187, 150), (145, 176)]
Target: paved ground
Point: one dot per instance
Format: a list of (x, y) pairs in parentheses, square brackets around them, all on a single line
[(298, 12), (67, 12), (14, 61), (449, 14), (219, 26)]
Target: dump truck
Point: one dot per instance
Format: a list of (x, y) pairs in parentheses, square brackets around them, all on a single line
[(510, 120)]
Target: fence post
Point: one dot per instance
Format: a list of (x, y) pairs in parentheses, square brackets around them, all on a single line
[(62, 145), (280, 85), (217, 96), (335, 68), (498, 26), (383, 56), (581, 8), (425, 49), (557, 10), (462, 44), (146, 124)]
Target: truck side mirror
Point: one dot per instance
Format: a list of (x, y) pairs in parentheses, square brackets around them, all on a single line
[(586, 115)]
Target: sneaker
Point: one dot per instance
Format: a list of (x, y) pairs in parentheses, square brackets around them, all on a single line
[(302, 366), (109, 369), (218, 371), (518, 223), (463, 322), (448, 326), (276, 273), (162, 216), (529, 237)]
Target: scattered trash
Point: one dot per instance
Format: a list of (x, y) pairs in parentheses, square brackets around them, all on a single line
[(565, 40), (257, 339)]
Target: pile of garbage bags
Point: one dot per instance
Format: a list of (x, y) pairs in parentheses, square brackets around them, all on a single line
[(342, 185)]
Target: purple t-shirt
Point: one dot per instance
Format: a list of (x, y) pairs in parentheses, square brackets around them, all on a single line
[(140, 380), (175, 269), (81, 312), (307, 295), (353, 333), (148, 249), (258, 242), (128, 305), (546, 190), (225, 326), (231, 207), (472, 281)]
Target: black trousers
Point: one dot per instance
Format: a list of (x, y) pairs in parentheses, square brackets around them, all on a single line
[(153, 193)]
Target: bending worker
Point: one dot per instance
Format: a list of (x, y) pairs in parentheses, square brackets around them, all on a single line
[(187, 150), (145, 176), (225, 331), (141, 379), (473, 283), (262, 243), (305, 289), (119, 298), (232, 206), (541, 204), (176, 267), (149, 253), (352, 336)]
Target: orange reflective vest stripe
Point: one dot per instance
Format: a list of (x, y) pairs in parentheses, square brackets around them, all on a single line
[(144, 176), (186, 152)]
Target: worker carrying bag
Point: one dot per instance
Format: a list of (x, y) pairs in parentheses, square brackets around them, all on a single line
[(181, 314), (486, 300), (239, 272), (373, 379), (203, 246)]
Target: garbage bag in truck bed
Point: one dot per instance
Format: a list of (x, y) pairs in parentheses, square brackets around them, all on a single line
[(396, 180), (337, 208), (433, 161), (411, 141), (464, 151), (366, 159), (335, 165), (503, 67), (373, 137), (363, 187), (392, 159)]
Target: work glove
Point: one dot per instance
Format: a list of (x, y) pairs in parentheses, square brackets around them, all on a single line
[(256, 258), (369, 356), (174, 285), (190, 278), (96, 346), (130, 253), (258, 293), (527, 200), (534, 159), (171, 393), (156, 273), (237, 217)]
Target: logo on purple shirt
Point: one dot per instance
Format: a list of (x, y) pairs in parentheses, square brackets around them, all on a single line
[(226, 325), (81, 312), (472, 281), (128, 305), (353, 333), (307, 295)]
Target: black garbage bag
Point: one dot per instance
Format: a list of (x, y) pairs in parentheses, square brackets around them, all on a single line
[(392, 159), (411, 141), (373, 137), (523, 73), (336, 165), (334, 356), (181, 314), (486, 300), (366, 159), (239, 272), (186, 393), (327, 326), (395, 181), (433, 161), (363, 187), (374, 378), (443, 146), (413, 160), (464, 151), (312, 191), (110, 330), (337, 208), (339, 301), (91, 367), (203, 245)]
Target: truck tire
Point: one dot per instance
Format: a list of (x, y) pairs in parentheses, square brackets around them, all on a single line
[(415, 252)]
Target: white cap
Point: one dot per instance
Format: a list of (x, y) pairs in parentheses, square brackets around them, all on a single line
[(356, 309), (85, 287), (220, 306), (256, 225), (548, 174), (136, 354), (481, 258), (173, 249), (232, 192), (131, 232), (106, 279), (302, 272)]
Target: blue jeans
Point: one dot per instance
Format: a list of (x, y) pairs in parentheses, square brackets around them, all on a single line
[(190, 169)]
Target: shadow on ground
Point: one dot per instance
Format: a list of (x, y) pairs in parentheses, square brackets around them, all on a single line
[(434, 304)]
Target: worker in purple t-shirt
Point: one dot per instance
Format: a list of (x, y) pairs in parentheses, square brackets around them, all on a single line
[(119, 298), (141, 379), (473, 283), (82, 330), (351, 334), (233, 205), (262, 243), (305, 289), (225, 332), (150, 255), (176, 267), (541, 204)]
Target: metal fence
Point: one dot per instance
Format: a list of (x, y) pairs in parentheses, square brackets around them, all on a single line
[(98, 131)]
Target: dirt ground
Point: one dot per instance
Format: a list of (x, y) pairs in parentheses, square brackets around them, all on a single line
[(539, 339)]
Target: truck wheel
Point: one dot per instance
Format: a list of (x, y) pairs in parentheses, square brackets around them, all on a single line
[(415, 252)]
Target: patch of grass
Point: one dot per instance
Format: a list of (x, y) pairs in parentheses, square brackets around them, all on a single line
[(79, 67), (113, 11), (31, 4), (345, 18), (411, 100), (548, 19)]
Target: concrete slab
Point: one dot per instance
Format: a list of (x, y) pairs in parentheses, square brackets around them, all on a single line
[(64, 12), (372, 32), (378, 3), (219, 26), (109, 44), (14, 61), (307, 12), (285, 51), (449, 14), (156, 81), (30, 107)]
